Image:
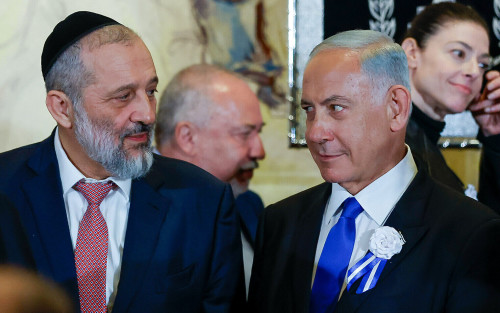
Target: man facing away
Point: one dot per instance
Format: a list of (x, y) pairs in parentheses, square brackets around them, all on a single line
[(119, 228), (379, 235), (210, 117)]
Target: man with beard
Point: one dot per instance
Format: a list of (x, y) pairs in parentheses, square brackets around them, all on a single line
[(117, 227), (210, 117)]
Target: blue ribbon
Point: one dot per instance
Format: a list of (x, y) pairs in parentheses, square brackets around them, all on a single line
[(370, 268)]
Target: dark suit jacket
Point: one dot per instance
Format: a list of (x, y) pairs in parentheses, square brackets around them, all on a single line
[(14, 247), (448, 264), (426, 150), (249, 207), (489, 172), (182, 249)]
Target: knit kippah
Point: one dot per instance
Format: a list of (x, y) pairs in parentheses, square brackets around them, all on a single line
[(67, 32)]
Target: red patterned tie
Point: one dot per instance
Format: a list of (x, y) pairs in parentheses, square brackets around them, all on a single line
[(92, 248)]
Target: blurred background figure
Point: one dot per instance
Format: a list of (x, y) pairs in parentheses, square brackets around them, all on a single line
[(209, 117), (447, 47), (22, 291)]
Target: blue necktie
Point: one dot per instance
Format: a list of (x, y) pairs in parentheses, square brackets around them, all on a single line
[(334, 259)]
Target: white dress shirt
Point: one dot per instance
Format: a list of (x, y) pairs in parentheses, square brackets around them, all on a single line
[(114, 208), (377, 199), (247, 261)]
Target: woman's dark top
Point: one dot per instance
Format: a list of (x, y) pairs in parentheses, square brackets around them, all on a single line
[(422, 137)]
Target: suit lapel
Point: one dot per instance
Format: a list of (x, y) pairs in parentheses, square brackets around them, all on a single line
[(148, 209), (306, 234), (44, 195), (408, 217), (249, 208)]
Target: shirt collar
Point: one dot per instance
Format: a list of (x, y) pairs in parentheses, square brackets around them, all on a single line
[(70, 175), (378, 198)]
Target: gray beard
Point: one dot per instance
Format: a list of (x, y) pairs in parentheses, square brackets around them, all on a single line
[(97, 138)]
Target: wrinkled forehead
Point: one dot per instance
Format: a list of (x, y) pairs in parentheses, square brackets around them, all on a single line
[(118, 66), (347, 89), (332, 68)]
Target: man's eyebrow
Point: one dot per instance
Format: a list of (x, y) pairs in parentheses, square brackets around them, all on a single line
[(254, 126), (302, 101), (124, 87), (153, 80), (335, 98), (332, 98), (249, 127)]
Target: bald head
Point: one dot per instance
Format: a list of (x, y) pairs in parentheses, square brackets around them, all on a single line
[(188, 97), (210, 117)]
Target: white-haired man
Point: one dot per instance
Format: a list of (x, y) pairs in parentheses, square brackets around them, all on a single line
[(379, 235)]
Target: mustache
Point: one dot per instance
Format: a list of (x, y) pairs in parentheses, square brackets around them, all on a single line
[(250, 165), (137, 128)]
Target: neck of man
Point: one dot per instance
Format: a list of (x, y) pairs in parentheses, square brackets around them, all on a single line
[(78, 156), (395, 154)]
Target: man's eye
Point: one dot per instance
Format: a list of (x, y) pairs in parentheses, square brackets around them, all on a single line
[(243, 135), (152, 92), (246, 134), (123, 97), (307, 108), (337, 108)]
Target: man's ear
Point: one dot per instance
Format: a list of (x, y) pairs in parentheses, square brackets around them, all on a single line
[(398, 109), (412, 51), (60, 107), (186, 134)]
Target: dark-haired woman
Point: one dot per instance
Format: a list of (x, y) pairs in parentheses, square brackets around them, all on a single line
[(447, 47)]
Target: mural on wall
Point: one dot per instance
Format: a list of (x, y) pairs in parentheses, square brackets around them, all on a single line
[(232, 33)]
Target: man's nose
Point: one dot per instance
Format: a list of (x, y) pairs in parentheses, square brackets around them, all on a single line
[(318, 130), (257, 149), (144, 110)]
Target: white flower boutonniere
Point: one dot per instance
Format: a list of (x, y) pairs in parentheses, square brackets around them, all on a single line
[(384, 244)]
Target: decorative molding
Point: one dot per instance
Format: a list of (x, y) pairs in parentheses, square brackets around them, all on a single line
[(381, 11), (459, 143), (496, 20), (307, 18)]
